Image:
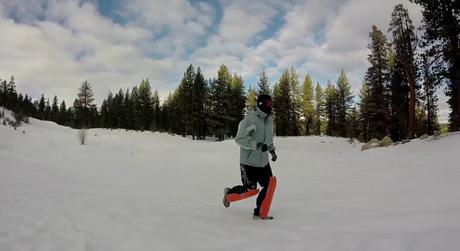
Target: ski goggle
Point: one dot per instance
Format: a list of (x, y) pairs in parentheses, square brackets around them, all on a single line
[(267, 103)]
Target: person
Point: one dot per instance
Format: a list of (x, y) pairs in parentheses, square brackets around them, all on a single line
[(255, 138)]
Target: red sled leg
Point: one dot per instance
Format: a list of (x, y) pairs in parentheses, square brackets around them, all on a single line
[(265, 207), (236, 197)]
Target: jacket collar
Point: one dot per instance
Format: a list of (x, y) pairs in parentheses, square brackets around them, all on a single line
[(260, 113)]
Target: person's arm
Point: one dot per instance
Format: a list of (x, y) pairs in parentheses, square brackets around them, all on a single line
[(244, 135), (271, 147)]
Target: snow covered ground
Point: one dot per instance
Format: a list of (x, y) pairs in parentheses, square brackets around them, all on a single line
[(151, 191)]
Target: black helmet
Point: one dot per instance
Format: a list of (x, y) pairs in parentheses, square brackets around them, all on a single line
[(265, 104)]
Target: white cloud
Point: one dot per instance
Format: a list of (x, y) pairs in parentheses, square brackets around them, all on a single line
[(52, 46)]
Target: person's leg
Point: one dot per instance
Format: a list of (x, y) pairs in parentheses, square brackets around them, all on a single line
[(263, 178), (248, 178)]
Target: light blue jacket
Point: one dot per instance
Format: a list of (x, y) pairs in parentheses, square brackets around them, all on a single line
[(256, 127)]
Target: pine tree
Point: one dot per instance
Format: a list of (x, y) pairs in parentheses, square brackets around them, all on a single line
[(128, 110), (441, 26), (117, 109), (306, 104), (105, 114), (144, 105), (263, 85), (353, 129), (185, 99), (377, 81), (41, 108), (319, 108), (237, 103), (344, 101), (405, 43), (110, 115), (55, 110), (3, 92), (62, 113), (429, 97), (282, 105), (84, 104), (365, 114), (399, 88), (11, 95), (251, 99), (47, 110), (218, 120), (295, 103), (199, 92), (156, 111), (331, 109)]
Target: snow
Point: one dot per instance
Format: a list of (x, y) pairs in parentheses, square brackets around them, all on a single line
[(151, 191)]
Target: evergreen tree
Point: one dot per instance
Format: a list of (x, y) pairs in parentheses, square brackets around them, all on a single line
[(421, 125), (264, 86), (47, 110), (144, 105), (105, 114), (135, 106), (344, 100), (252, 98), (353, 129), (399, 88), (405, 43), (429, 97), (365, 114), (295, 103), (218, 120), (173, 121), (331, 109), (62, 113), (282, 105), (377, 81), (199, 92), (128, 110), (11, 95), (55, 110), (110, 116), (185, 99), (117, 109), (319, 108), (441, 26), (237, 101), (3, 92), (84, 104), (41, 108), (306, 104), (156, 111)]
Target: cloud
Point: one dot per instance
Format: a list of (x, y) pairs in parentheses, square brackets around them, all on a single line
[(52, 46)]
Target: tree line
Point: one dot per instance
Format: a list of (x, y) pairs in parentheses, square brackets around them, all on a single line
[(397, 98)]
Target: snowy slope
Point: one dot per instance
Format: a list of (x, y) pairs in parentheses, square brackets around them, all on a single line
[(151, 191)]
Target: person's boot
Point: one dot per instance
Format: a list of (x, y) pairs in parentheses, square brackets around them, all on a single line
[(226, 191), (256, 215)]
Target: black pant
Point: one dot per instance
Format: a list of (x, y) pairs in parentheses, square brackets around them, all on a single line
[(250, 176)]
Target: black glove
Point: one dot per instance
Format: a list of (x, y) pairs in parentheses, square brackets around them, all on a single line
[(262, 147), (274, 156)]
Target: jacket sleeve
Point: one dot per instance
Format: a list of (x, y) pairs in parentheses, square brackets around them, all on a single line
[(271, 147), (244, 135)]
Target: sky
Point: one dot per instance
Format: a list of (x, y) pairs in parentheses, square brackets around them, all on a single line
[(52, 46)]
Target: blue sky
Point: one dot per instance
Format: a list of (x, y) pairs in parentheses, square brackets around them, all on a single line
[(52, 46)]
